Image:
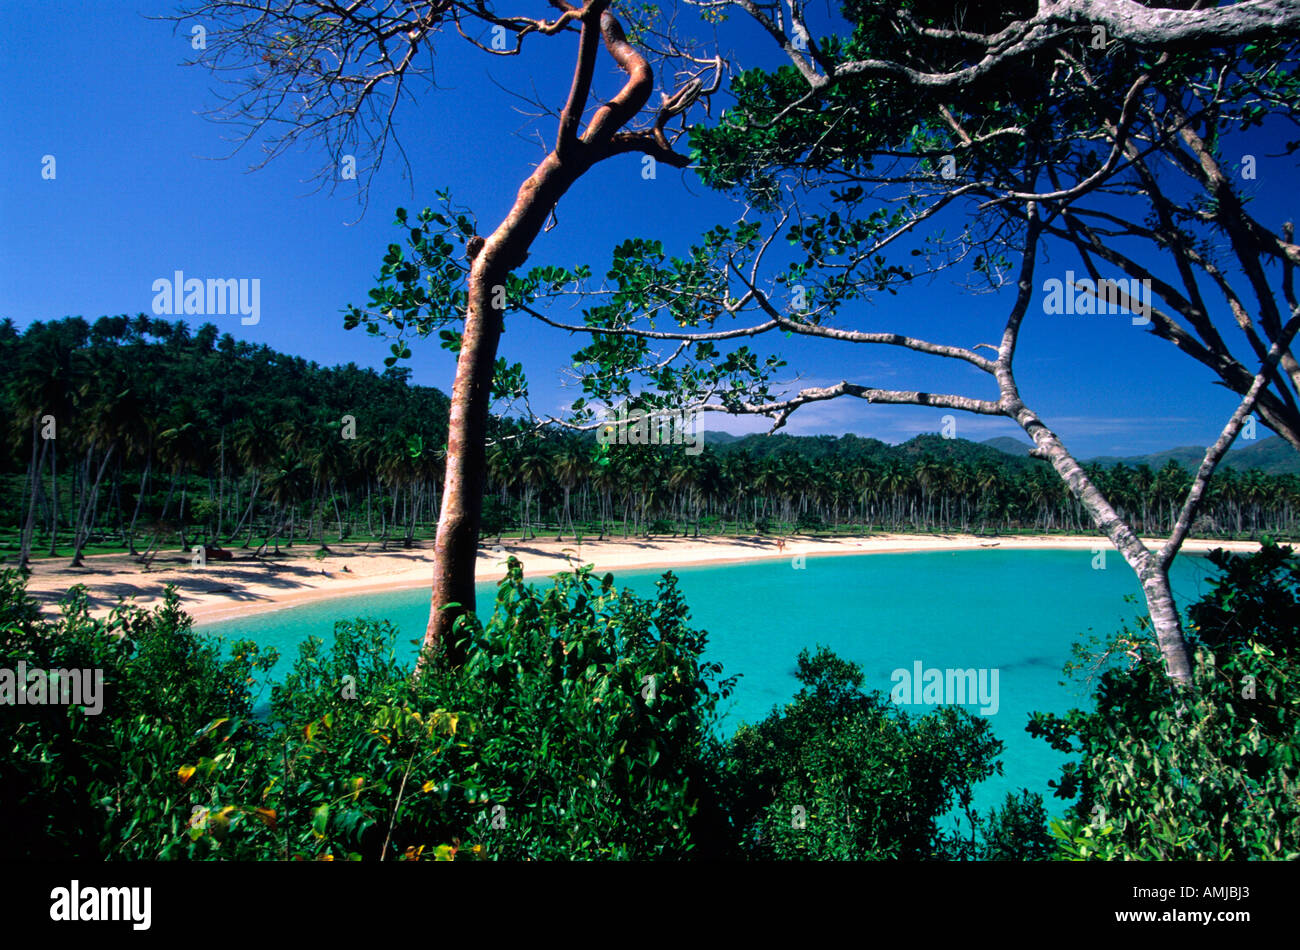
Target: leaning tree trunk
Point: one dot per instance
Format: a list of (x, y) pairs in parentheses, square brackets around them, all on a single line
[(1151, 574), (86, 514), (34, 473), (492, 260)]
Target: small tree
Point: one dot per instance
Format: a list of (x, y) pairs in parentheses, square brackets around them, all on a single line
[(334, 71)]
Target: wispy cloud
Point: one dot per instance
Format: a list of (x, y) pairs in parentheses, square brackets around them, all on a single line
[(1116, 425)]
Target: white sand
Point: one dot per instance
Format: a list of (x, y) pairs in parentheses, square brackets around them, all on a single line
[(222, 590)]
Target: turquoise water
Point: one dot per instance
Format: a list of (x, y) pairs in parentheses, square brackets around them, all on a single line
[(1017, 612)]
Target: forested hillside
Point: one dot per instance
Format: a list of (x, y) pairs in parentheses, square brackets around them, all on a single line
[(159, 436), (145, 435)]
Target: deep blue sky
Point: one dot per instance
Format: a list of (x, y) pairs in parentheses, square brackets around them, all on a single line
[(138, 196)]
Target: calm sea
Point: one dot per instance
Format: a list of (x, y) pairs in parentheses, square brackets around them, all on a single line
[(1016, 612)]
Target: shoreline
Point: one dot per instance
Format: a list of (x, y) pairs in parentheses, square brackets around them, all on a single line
[(227, 590)]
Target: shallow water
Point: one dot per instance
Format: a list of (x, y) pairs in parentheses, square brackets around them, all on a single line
[(1013, 612)]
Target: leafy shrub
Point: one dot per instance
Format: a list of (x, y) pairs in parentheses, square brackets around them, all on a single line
[(578, 728), (496, 517), (810, 522), (1017, 831), (575, 729), (1204, 771), (581, 726), (844, 774), (79, 785)]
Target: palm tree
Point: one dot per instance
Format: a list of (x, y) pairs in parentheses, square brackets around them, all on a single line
[(988, 482), (605, 480), (41, 388), (329, 462), (395, 470), (928, 474), (106, 404), (895, 483), (532, 465), (738, 472), (47, 380), (286, 486), (255, 448), (571, 465)]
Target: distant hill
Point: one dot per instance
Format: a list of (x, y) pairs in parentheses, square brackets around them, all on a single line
[(1273, 456), (719, 438), (1188, 456), (1005, 443), (762, 446), (815, 447), (958, 450)]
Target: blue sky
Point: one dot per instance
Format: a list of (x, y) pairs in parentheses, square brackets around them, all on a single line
[(140, 192)]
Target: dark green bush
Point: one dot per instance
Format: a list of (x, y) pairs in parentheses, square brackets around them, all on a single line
[(843, 774), (1205, 771), (575, 729), (78, 785), (581, 726), (578, 729)]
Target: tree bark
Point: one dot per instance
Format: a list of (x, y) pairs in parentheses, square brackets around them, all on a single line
[(456, 546), (34, 475)]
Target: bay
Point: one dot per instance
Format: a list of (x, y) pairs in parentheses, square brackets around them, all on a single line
[(1016, 612)]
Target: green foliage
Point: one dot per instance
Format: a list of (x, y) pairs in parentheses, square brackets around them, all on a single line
[(276, 437), (1206, 771), (77, 784), (1018, 831), (574, 730), (239, 430), (580, 726), (846, 775), (577, 729)]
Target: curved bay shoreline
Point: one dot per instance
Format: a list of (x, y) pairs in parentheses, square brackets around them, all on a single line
[(224, 590)]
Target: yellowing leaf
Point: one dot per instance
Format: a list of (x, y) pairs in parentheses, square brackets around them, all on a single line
[(184, 773)]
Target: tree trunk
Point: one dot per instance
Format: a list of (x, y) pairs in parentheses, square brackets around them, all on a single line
[(54, 497), (139, 500), (89, 504), (1150, 573), (456, 547), (34, 476)]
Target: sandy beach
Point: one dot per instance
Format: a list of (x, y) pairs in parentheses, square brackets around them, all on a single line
[(224, 589)]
